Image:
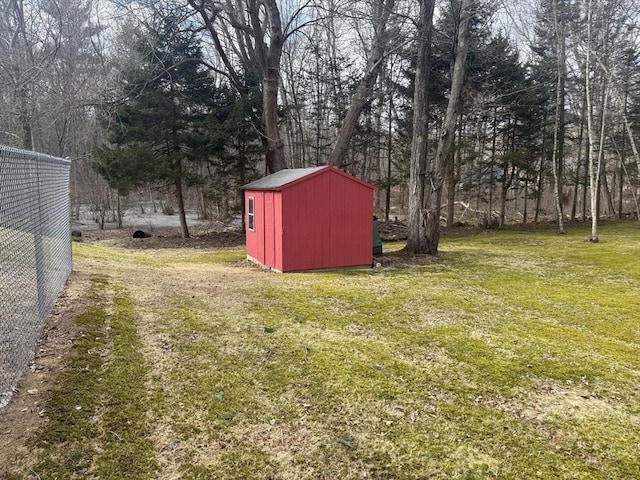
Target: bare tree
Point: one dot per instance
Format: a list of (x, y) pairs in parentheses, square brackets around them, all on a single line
[(416, 242), (28, 45), (634, 147), (558, 131), (382, 10), (605, 38), (445, 142), (249, 37)]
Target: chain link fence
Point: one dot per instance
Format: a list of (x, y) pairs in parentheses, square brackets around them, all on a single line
[(35, 254)]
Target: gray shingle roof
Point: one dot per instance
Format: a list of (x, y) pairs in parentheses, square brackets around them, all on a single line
[(281, 178)]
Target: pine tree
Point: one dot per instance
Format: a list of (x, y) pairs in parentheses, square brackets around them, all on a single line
[(162, 128)]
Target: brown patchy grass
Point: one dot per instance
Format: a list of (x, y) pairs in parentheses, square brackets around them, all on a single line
[(512, 355), (26, 413)]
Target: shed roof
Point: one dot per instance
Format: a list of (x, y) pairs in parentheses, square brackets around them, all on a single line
[(282, 178)]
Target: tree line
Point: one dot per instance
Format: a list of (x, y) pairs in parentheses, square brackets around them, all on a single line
[(451, 114)]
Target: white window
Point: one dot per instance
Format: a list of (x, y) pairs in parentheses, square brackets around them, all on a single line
[(251, 214)]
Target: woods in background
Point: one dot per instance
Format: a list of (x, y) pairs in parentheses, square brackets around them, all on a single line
[(459, 111)]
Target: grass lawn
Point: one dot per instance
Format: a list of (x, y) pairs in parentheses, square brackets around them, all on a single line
[(514, 355)]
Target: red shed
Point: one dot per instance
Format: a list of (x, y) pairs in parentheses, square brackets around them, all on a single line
[(309, 218)]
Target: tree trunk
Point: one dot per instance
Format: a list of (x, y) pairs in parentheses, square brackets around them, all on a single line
[(631, 187), (259, 41), (181, 209), (365, 87), (620, 185), (445, 143), (608, 194), (338, 154), (594, 171), (492, 164), (540, 185), (270, 85), (632, 142), (377, 166), (119, 209), (387, 200), (585, 182), (25, 118), (579, 162), (275, 146), (452, 177), (507, 181), (526, 200), (480, 155), (416, 238), (558, 131)]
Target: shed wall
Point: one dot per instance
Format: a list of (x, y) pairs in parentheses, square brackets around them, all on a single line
[(269, 230), (351, 232), (278, 231), (327, 223), (264, 243), (255, 238)]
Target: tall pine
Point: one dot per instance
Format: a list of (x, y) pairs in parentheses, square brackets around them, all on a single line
[(160, 132)]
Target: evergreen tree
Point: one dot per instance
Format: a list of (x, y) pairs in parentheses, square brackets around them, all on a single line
[(162, 129)]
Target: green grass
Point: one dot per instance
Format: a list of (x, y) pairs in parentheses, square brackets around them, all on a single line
[(97, 425), (515, 355)]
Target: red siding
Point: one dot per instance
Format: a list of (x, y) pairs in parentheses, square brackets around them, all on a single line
[(305, 220), (328, 223), (324, 221), (351, 232), (269, 229), (278, 231), (255, 238)]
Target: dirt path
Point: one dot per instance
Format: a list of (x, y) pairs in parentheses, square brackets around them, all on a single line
[(26, 412), (152, 287)]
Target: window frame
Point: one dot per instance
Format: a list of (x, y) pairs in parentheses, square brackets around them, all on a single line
[(251, 214)]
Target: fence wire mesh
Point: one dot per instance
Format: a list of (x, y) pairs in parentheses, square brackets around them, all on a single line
[(35, 254)]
